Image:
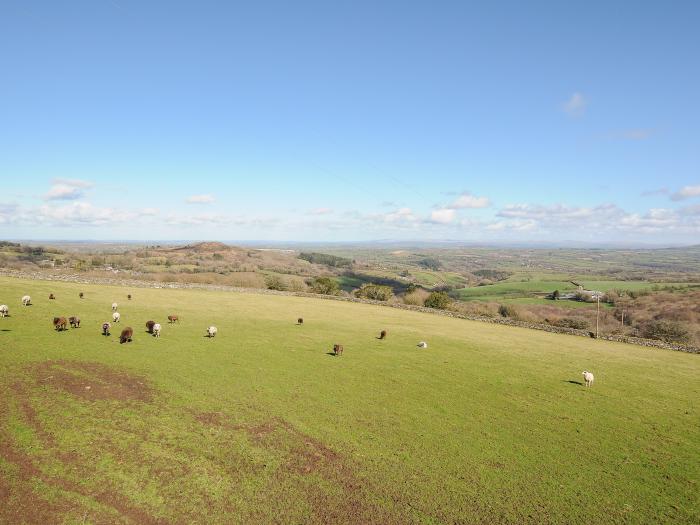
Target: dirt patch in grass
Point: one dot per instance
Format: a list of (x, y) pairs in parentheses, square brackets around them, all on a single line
[(91, 381)]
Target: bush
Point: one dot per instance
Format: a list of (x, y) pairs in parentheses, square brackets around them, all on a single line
[(416, 297), (508, 310), (275, 282), (325, 286), (669, 331), (376, 292), (438, 300), (573, 322)]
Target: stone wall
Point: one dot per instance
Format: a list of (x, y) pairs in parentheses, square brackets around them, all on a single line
[(77, 278)]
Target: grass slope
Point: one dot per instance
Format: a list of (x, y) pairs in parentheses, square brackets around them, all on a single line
[(260, 424)]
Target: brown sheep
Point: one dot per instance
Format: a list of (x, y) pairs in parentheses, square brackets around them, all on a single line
[(59, 323), (173, 318), (382, 334), (105, 328), (300, 321), (74, 321), (149, 326), (129, 297), (126, 335), (51, 296), (338, 349), (81, 295)]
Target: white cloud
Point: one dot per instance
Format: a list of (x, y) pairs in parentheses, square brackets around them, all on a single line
[(576, 105), (467, 200), (67, 189), (444, 216), (321, 211), (686, 192), (201, 199)]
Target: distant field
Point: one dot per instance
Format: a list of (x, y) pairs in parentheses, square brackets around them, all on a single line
[(490, 424)]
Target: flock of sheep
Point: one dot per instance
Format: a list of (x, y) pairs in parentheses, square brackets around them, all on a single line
[(60, 323)]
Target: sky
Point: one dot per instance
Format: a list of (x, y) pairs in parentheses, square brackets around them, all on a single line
[(350, 120)]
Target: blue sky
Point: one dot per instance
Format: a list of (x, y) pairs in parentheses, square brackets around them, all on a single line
[(489, 121)]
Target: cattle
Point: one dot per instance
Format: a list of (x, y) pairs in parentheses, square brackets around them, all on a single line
[(149, 326), (338, 349), (300, 321), (126, 335), (173, 319), (60, 323), (382, 334), (105, 328), (52, 296), (74, 321)]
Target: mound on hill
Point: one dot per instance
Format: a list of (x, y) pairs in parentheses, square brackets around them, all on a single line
[(262, 424), (207, 247)]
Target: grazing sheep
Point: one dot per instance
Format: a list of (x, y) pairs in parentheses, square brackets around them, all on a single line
[(149, 326), (129, 297), (126, 335), (52, 296), (588, 378), (173, 318), (81, 295), (382, 334), (300, 321), (211, 331), (338, 349), (116, 316), (59, 323), (156, 330), (422, 344), (114, 307), (105, 328), (26, 300), (4, 310), (74, 322)]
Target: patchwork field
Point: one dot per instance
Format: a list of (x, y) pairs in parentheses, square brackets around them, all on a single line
[(261, 424)]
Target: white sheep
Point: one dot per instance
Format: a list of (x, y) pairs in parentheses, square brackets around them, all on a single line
[(156, 330), (114, 307), (422, 344), (4, 310), (26, 300), (588, 378), (116, 316), (211, 331)]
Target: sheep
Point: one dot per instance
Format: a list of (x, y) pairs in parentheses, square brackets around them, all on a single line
[(26, 300), (156, 330), (588, 378), (126, 335), (173, 319), (149, 326), (116, 316), (300, 320), (52, 296), (211, 331), (382, 334), (105, 328), (81, 295), (129, 297), (4, 310), (422, 344), (74, 321), (59, 323), (338, 349), (114, 307)]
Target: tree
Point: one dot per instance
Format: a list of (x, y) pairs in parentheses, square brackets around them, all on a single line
[(438, 300), (274, 282), (376, 292), (325, 286)]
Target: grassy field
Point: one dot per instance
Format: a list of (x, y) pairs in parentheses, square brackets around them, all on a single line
[(490, 424)]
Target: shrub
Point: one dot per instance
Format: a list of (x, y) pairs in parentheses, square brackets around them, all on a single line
[(416, 297), (573, 322), (438, 300), (376, 292), (275, 282), (508, 310), (669, 331), (325, 286)]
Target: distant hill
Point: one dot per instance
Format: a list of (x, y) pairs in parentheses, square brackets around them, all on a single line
[(207, 247)]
